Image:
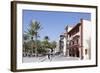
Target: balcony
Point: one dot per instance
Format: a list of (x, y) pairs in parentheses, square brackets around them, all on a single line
[(71, 38)]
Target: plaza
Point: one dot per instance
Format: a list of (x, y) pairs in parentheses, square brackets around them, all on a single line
[(45, 59)]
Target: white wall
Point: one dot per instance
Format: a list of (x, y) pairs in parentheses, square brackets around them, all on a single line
[(5, 38), (64, 48), (86, 37), (57, 47)]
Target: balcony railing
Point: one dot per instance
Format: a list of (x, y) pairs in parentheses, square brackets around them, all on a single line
[(70, 38)]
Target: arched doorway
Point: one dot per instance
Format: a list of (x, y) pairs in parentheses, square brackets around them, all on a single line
[(73, 52), (77, 52)]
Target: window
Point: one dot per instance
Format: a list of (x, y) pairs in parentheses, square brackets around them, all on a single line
[(72, 42), (77, 41)]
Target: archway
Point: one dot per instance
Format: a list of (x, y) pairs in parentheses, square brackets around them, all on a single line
[(77, 52)]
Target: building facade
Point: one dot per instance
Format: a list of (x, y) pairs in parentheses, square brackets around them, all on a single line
[(77, 41), (63, 42)]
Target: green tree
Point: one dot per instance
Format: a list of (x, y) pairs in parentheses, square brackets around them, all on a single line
[(53, 44), (33, 31), (46, 42), (29, 47), (25, 47), (25, 37), (46, 38)]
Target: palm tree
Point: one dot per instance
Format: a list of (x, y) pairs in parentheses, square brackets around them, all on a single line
[(46, 38), (33, 31)]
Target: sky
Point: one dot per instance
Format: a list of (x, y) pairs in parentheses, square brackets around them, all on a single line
[(53, 23)]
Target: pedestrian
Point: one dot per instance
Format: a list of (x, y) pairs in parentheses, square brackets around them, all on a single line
[(49, 56), (49, 53)]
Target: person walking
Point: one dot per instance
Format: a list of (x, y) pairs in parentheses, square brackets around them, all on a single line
[(49, 54)]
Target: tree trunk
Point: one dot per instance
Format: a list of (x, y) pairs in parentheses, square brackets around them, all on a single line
[(36, 46), (32, 46)]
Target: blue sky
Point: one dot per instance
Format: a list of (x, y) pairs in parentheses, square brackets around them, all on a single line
[(53, 23)]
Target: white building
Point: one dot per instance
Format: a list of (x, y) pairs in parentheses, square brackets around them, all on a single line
[(64, 41), (86, 39), (57, 47), (76, 41)]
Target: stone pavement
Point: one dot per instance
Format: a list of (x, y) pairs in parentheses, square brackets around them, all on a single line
[(45, 59)]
